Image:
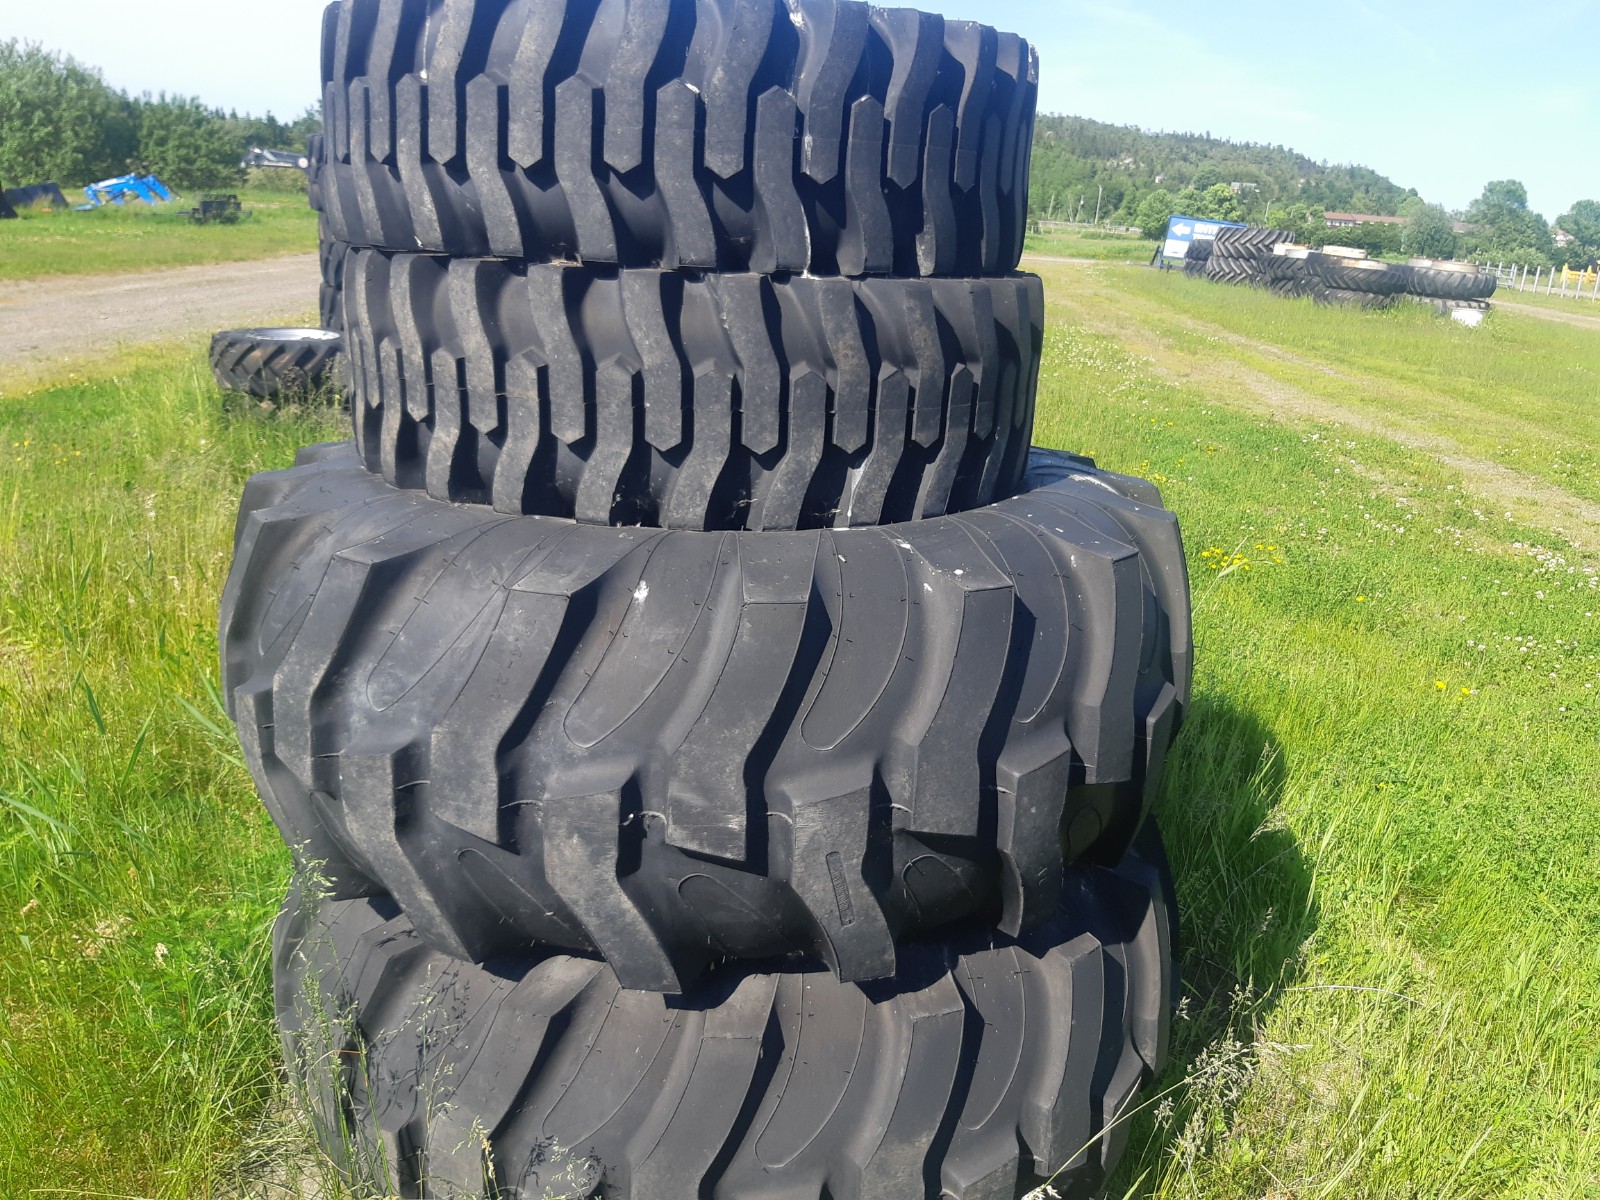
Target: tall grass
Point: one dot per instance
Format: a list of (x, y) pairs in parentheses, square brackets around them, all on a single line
[(1382, 811), (138, 874)]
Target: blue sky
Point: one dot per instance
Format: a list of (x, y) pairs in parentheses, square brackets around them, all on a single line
[(1440, 96)]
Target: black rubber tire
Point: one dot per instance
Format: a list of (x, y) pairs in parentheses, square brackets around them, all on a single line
[(272, 363), (1347, 298), (1249, 242), (1367, 275), (317, 157), (1449, 281), (1286, 266), (706, 744), (987, 1065), (1229, 268), (330, 297), (685, 401), (815, 136)]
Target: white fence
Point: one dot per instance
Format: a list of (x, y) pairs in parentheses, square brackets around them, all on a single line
[(1547, 281)]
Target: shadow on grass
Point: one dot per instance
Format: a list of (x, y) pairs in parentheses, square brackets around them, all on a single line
[(1247, 904)]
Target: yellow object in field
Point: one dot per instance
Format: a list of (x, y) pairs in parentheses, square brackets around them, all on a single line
[(1583, 281)]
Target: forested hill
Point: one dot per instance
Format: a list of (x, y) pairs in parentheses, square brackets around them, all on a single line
[(1074, 156)]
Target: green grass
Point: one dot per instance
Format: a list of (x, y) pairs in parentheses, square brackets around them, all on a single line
[(1583, 306), (1518, 392), (137, 237), (1100, 244), (140, 874), (1381, 811)]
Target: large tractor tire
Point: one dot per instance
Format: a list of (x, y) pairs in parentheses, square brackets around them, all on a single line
[(670, 748), (275, 363), (1250, 241), (1230, 268), (330, 298), (646, 397), (1365, 275), (1437, 279), (317, 158), (988, 1064), (818, 136)]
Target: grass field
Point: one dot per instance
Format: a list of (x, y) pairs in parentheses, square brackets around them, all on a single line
[(1382, 810), (137, 237), (1099, 244)]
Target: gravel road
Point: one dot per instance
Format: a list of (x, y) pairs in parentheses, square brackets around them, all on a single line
[(50, 320)]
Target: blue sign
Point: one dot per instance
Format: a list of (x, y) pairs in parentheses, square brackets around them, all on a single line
[(1183, 230)]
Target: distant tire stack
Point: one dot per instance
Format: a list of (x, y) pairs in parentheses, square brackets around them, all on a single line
[(691, 616), (1333, 275), (1449, 286), (1240, 255)]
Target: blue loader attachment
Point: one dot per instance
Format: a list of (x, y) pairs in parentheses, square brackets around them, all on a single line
[(146, 188)]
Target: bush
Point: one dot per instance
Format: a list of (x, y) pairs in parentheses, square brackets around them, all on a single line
[(185, 144), (59, 120), (277, 179)]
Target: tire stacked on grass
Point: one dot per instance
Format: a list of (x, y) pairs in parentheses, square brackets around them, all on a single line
[(1196, 256), (1240, 254), (1289, 273), (1447, 285), (274, 365), (1358, 282), (690, 618)]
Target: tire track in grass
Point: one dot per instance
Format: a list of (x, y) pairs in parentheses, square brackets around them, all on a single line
[(1534, 501)]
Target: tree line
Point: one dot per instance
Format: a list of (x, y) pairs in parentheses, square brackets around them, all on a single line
[(60, 120), (1138, 178)]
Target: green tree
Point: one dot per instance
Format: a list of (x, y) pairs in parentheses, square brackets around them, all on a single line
[(1504, 228), (1430, 233), (1307, 222), (1189, 203), (186, 144), (1582, 224), (59, 120), (1155, 210), (1221, 204)]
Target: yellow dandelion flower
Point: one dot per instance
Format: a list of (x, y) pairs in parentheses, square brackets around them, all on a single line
[(1439, 683)]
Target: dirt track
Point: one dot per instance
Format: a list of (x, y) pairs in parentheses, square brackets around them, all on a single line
[(51, 320)]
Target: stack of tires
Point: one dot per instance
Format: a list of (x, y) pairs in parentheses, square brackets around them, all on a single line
[(1196, 257), (1240, 254), (1289, 273), (1450, 286), (718, 751), (1350, 279)]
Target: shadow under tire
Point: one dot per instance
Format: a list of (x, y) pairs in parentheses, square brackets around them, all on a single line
[(986, 1063), (670, 748), (269, 363)]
